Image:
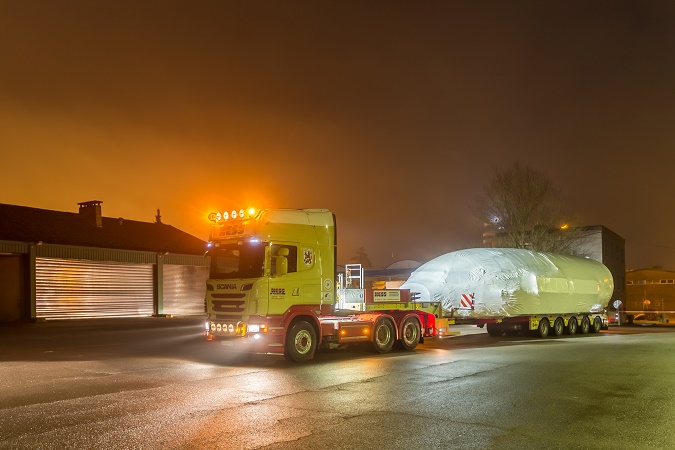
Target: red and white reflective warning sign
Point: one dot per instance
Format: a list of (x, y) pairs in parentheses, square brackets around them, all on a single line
[(466, 301)]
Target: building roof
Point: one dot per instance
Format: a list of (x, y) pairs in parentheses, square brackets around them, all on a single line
[(602, 229), (655, 272), (24, 224), (404, 264)]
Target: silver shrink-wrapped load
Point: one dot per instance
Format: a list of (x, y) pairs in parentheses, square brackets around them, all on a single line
[(489, 282)]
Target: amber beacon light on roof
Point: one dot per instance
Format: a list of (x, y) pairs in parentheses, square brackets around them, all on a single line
[(218, 217)]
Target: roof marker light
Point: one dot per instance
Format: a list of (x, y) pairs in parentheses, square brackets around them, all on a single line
[(234, 214)]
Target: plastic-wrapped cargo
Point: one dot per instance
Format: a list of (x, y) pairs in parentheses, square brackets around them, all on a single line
[(489, 282)]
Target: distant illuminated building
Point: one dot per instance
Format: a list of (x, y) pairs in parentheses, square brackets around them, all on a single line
[(650, 290), (392, 276)]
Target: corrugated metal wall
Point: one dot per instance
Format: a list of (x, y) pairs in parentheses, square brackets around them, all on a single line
[(184, 288), (12, 282), (77, 289)]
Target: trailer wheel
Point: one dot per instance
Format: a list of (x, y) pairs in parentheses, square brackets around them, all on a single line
[(572, 326), (383, 336), (300, 342), (585, 325), (410, 334), (544, 327), (558, 326), (494, 329), (597, 325)]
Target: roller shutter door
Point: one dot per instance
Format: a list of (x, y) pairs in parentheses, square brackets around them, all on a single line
[(184, 289), (77, 289)]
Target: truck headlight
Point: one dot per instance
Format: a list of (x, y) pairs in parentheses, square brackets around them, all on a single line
[(253, 328)]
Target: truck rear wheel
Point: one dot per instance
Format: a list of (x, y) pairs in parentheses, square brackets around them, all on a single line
[(544, 327), (558, 326), (585, 325), (597, 325), (410, 334), (383, 336), (300, 342), (572, 326)]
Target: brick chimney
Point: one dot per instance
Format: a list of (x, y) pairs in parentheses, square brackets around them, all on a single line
[(91, 212)]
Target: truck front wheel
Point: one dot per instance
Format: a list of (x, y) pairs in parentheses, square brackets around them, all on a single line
[(410, 334), (300, 342), (383, 336)]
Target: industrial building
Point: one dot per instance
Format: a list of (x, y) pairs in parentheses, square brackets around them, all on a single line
[(63, 265), (650, 290), (601, 244)]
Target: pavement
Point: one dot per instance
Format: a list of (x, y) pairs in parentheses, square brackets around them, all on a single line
[(38, 330)]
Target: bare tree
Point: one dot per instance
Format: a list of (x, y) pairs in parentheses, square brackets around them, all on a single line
[(362, 258), (521, 209)]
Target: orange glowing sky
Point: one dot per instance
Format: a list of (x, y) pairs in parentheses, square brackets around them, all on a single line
[(391, 114)]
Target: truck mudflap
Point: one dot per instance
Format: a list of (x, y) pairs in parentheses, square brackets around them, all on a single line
[(443, 326)]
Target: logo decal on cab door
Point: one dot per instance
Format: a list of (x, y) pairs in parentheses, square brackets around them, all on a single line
[(308, 256)]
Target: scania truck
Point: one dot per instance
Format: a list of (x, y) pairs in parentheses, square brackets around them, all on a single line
[(272, 289)]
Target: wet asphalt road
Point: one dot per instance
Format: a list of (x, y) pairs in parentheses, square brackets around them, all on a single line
[(153, 383)]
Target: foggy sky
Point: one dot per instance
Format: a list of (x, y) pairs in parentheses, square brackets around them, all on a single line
[(392, 114)]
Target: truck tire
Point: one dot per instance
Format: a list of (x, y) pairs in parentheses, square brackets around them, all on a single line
[(410, 334), (495, 330), (383, 336), (572, 325), (544, 327), (597, 325), (558, 326), (585, 325), (300, 342)]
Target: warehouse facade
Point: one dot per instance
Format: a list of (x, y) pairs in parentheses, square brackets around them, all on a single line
[(650, 290), (61, 265)]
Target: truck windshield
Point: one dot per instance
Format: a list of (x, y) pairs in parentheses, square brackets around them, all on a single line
[(237, 261)]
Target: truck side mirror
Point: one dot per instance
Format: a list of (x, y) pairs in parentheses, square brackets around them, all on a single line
[(282, 261)]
